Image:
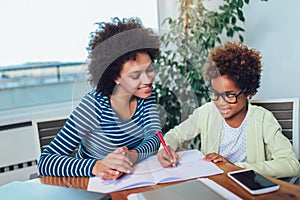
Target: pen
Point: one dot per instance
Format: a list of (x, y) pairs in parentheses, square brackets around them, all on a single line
[(164, 144)]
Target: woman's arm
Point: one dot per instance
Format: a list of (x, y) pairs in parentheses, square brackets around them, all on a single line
[(55, 159), (151, 124)]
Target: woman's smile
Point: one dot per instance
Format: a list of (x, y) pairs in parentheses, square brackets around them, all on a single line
[(146, 89)]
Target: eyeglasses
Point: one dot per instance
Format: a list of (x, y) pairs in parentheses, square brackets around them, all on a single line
[(228, 97)]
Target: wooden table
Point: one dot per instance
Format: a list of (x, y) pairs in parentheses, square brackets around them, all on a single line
[(286, 191)]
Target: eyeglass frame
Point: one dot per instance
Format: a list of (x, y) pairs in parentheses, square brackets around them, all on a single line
[(235, 95)]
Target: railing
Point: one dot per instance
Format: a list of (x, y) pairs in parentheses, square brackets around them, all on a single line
[(40, 73), (42, 83)]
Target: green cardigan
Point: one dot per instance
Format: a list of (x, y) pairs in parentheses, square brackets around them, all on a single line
[(268, 151)]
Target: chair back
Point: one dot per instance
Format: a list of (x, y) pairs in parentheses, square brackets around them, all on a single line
[(47, 129), (286, 111)]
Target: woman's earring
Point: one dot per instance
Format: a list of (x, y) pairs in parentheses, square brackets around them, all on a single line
[(118, 83)]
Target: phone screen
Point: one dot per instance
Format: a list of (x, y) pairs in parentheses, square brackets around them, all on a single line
[(253, 180)]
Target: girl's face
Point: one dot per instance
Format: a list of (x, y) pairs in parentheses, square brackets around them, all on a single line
[(137, 76), (231, 112)]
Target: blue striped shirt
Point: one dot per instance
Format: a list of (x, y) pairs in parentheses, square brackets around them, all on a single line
[(97, 129)]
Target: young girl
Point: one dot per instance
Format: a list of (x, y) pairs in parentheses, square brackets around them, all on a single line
[(114, 126), (231, 129)]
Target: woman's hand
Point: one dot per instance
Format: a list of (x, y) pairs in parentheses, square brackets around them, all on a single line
[(106, 173), (131, 154), (214, 157), (165, 159), (114, 164)]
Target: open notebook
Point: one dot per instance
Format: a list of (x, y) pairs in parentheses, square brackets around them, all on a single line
[(149, 172)]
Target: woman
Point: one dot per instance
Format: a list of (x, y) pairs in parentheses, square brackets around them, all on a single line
[(115, 124), (231, 129)]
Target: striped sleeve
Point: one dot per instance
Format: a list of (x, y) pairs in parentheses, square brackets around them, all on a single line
[(55, 159), (151, 143)]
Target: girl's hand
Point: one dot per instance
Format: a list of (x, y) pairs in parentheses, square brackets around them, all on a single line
[(214, 157), (165, 159)]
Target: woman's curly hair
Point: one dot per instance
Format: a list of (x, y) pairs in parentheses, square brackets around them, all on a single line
[(114, 43), (238, 62)]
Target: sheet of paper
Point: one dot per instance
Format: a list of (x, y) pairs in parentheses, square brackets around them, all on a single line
[(191, 165), (150, 172), (96, 184)]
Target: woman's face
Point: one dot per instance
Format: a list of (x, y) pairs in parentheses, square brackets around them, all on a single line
[(137, 76), (224, 85)]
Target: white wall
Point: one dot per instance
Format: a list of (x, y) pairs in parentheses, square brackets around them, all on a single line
[(272, 28), (166, 8)]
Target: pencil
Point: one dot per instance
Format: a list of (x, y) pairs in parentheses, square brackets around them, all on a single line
[(164, 145)]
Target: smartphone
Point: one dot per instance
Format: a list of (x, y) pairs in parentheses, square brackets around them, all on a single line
[(253, 182)]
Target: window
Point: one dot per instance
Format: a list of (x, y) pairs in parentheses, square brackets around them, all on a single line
[(53, 33), (55, 30)]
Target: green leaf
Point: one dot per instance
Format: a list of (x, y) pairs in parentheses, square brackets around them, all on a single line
[(226, 19), (233, 20), (237, 28), (241, 38), (168, 20), (240, 15), (240, 3), (229, 32)]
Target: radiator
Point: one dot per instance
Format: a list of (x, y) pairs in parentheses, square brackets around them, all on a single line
[(19, 152)]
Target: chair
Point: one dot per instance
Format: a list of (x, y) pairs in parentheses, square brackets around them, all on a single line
[(46, 129), (286, 111)]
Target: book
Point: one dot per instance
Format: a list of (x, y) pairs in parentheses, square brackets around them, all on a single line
[(19, 190), (150, 172)]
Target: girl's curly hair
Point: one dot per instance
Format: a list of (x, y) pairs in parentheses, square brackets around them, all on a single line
[(114, 43), (235, 60)]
